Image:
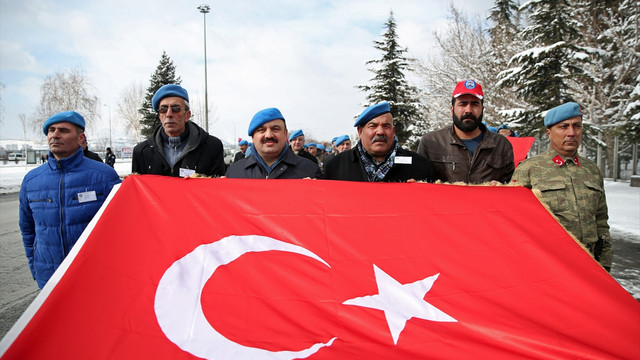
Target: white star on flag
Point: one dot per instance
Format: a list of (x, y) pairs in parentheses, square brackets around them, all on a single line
[(401, 302)]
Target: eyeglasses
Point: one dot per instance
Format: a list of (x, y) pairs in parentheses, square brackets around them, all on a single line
[(176, 109)]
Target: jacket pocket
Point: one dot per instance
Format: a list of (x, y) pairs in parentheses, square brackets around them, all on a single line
[(554, 195), (592, 195)]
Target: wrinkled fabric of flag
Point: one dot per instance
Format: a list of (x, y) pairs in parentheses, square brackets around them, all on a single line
[(283, 269)]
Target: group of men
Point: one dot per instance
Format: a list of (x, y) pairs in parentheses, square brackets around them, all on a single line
[(58, 199)]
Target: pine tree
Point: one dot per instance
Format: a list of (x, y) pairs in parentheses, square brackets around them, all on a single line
[(165, 74), (610, 27), (504, 44), (552, 62), (390, 84)]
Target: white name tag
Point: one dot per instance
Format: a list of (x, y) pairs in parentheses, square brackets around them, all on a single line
[(87, 196), (403, 160), (186, 172)]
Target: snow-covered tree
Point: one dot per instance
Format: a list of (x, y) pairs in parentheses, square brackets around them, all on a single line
[(609, 30), (165, 74), (631, 129), (69, 89), (543, 73), (390, 84)]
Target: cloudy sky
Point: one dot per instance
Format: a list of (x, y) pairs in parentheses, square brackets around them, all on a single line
[(304, 57)]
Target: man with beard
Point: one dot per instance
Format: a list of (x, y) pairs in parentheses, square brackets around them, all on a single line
[(467, 151), (271, 157), (296, 141), (378, 157)]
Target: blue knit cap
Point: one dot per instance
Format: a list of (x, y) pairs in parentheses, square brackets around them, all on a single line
[(295, 134), (341, 139), (263, 117), (168, 91), (65, 116), (562, 113), (372, 112)]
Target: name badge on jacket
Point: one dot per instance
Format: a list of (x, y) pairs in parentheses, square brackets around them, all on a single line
[(87, 196), (403, 160), (186, 172)]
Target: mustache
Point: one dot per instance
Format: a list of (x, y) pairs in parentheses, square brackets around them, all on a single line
[(380, 138), (270, 139), (468, 116)]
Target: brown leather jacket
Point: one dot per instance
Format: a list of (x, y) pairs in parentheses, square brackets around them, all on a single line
[(452, 162)]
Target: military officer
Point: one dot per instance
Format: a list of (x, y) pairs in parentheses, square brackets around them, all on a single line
[(571, 185)]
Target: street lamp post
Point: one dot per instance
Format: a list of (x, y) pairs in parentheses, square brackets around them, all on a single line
[(204, 9), (109, 125)]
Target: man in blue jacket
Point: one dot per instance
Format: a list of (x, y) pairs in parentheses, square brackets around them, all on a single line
[(59, 198), (271, 157)]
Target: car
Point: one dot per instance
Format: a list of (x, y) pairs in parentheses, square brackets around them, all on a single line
[(16, 156)]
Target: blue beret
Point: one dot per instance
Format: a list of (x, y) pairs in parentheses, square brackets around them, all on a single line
[(320, 146), (492, 129), (263, 117), (504, 126), (341, 139), (65, 116), (562, 113), (168, 91), (243, 142), (312, 144), (295, 134), (372, 112), (334, 140)]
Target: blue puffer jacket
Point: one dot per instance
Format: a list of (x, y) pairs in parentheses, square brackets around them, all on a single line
[(52, 218)]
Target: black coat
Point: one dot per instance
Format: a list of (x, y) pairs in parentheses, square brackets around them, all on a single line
[(348, 166), (290, 166), (91, 155), (203, 153)]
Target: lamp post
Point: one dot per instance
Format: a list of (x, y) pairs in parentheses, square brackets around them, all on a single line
[(204, 9), (109, 124)]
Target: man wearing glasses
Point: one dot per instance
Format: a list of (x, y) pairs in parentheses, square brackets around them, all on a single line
[(178, 147)]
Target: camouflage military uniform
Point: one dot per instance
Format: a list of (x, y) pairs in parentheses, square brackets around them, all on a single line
[(575, 195)]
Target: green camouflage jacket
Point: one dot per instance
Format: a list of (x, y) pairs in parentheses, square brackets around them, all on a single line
[(575, 195)]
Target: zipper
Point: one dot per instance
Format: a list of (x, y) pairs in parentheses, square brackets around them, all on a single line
[(61, 198)]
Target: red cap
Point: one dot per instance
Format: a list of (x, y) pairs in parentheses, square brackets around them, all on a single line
[(468, 87)]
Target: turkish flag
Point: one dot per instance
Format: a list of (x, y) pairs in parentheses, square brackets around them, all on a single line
[(521, 146), (177, 268)]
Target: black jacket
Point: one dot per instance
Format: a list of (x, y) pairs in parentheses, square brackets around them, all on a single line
[(307, 155), (290, 166), (348, 166), (202, 153), (91, 155)]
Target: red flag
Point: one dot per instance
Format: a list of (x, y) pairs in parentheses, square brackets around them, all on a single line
[(521, 146), (282, 269)]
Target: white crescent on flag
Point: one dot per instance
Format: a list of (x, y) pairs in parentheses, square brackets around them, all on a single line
[(179, 310)]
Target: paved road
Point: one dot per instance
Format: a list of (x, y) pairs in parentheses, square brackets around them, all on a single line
[(17, 288)]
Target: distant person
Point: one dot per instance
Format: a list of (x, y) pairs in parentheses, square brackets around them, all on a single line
[(296, 141), (58, 199), (571, 185), (312, 148), (110, 157), (505, 131), (85, 150), (271, 158), (467, 151), (339, 144), (177, 147), (378, 157), (243, 145)]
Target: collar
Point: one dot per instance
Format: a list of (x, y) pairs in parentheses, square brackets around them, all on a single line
[(559, 160)]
